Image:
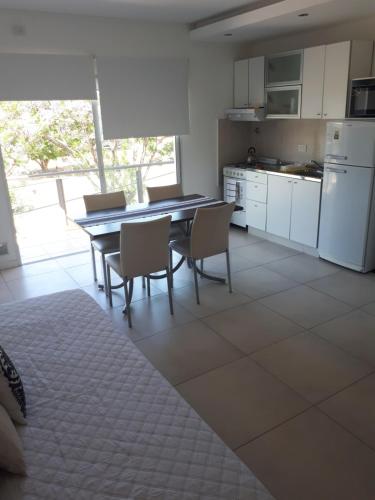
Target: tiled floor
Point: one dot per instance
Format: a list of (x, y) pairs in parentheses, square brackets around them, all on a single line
[(283, 369)]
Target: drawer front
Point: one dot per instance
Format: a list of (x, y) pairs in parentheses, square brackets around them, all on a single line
[(256, 214), (256, 177), (256, 192)]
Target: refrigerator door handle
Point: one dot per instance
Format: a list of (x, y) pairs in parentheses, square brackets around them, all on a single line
[(336, 157), (336, 170)]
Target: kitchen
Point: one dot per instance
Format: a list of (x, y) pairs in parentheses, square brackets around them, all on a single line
[(292, 108)]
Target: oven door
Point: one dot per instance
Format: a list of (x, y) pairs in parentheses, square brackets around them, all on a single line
[(235, 191), (362, 99)]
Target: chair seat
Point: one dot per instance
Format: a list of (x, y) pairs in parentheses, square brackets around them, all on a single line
[(181, 246), (107, 244), (114, 261), (176, 232)]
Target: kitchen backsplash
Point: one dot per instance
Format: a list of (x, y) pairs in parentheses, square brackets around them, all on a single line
[(276, 138), (283, 139)]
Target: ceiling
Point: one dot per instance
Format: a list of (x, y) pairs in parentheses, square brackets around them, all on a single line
[(282, 17), (180, 11)]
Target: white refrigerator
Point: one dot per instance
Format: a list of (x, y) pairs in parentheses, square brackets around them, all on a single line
[(347, 218)]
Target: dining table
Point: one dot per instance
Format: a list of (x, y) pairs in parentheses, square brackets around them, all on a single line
[(182, 210)]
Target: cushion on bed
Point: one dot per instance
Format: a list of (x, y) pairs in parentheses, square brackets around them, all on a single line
[(11, 455), (12, 395)]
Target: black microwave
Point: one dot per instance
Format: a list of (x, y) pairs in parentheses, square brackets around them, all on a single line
[(362, 98)]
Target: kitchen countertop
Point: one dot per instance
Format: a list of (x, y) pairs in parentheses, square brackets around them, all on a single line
[(311, 174)]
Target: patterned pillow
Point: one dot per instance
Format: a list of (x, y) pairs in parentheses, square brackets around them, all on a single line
[(12, 395)]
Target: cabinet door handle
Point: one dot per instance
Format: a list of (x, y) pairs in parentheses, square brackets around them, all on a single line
[(336, 170), (289, 182), (337, 157), (325, 114), (295, 182)]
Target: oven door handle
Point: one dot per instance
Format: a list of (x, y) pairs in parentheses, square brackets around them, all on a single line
[(336, 157), (336, 170)]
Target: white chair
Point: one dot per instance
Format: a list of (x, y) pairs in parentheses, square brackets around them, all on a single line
[(105, 244), (209, 236), (143, 251)]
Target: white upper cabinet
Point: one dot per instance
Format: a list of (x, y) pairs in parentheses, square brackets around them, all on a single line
[(336, 74), (304, 219), (241, 83), (256, 81), (327, 73), (313, 82), (284, 69), (249, 82)]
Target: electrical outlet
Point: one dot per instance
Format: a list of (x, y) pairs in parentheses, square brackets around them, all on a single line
[(302, 148), (3, 249)]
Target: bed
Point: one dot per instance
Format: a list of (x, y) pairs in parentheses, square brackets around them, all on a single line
[(103, 424)]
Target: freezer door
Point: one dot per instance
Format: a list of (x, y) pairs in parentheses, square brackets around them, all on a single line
[(345, 214), (351, 143)]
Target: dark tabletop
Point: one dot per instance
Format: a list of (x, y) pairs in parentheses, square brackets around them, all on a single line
[(104, 222)]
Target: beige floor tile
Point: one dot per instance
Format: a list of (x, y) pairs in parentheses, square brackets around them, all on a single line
[(264, 252), (26, 270), (354, 332), (355, 289), (5, 295), (312, 458), (187, 351), (260, 282), (76, 260), (354, 408), (251, 327), (305, 306), (213, 298), (217, 265), (369, 308), (33, 286), (313, 367), (150, 316), (241, 401), (82, 275), (239, 238), (303, 268)]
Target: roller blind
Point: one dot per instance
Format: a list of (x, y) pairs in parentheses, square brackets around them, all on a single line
[(34, 77), (143, 97)]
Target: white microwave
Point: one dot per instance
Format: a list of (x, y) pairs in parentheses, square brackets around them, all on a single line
[(283, 102)]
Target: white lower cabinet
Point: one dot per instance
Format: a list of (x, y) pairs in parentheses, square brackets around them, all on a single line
[(293, 209), (279, 205), (304, 219), (256, 213)]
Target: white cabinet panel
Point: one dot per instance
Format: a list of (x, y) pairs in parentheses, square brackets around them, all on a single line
[(256, 191), (304, 218), (336, 74), (256, 214), (313, 82), (256, 81), (279, 205), (241, 83), (256, 177)]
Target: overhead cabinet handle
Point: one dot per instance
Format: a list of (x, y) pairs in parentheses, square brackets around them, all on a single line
[(336, 170), (336, 157)]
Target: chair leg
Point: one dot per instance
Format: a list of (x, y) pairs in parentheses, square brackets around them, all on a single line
[(228, 271), (201, 268), (93, 263), (196, 280), (104, 274), (169, 280), (109, 285), (171, 266), (148, 286), (143, 282), (127, 302)]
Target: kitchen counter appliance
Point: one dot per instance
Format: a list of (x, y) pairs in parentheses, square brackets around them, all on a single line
[(235, 190), (347, 219)]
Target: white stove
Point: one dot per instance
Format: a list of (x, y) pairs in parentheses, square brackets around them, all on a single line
[(235, 190)]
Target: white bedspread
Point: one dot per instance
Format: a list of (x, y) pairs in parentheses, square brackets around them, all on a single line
[(102, 422)]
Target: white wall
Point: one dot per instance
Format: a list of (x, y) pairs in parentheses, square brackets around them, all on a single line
[(210, 75)]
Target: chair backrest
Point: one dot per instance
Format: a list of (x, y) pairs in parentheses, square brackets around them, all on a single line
[(144, 246), (103, 201), (210, 231), (156, 193)]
